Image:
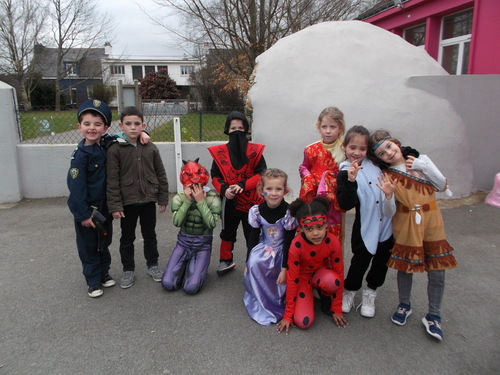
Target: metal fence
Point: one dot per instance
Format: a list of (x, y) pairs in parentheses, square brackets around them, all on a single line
[(46, 126)]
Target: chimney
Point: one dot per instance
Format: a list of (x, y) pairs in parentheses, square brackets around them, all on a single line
[(108, 49)]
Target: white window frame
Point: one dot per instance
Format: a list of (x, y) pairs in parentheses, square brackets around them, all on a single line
[(186, 70), (72, 91), (70, 68), (116, 70), (458, 40), (422, 46)]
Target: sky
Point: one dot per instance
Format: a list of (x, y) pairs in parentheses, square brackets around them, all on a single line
[(135, 33)]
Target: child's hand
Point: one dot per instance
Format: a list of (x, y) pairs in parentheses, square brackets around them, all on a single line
[(284, 325), (88, 223), (232, 191), (236, 189), (144, 138), (162, 208), (282, 276), (245, 270), (409, 162), (387, 185), (352, 172), (118, 215), (198, 194), (339, 320), (188, 193)]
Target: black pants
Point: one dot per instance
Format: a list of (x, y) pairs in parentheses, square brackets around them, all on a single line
[(147, 219), (231, 220), (95, 263), (361, 261)]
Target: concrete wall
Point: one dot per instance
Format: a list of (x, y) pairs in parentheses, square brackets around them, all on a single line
[(10, 168), (475, 98), (44, 167)]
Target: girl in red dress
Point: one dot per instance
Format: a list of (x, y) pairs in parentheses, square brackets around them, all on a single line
[(319, 169)]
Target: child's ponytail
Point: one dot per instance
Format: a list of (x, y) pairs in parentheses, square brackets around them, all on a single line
[(300, 209)]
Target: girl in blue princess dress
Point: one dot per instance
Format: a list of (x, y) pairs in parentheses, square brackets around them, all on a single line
[(272, 232)]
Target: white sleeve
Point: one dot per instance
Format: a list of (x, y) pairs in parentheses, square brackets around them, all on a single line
[(389, 206), (431, 172)]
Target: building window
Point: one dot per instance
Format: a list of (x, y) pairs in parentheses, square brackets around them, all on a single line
[(117, 69), (415, 35), (70, 68), (160, 67), (149, 69), (72, 95), (456, 35), (137, 72), (186, 70)]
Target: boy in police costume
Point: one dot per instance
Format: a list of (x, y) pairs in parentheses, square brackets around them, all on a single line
[(87, 192)]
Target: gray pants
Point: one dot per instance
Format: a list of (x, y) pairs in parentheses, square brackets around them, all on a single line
[(435, 289)]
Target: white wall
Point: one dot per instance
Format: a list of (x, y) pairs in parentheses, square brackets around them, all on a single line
[(10, 188), (44, 167), (475, 98), (364, 70)]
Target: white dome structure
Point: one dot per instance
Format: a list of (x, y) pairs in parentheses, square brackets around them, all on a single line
[(363, 70)]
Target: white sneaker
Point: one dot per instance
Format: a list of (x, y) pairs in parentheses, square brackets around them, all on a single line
[(368, 303), (348, 300)]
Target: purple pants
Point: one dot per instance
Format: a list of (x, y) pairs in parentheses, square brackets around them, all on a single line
[(188, 264)]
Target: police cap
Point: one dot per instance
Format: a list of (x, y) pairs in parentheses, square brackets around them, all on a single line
[(96, 106)]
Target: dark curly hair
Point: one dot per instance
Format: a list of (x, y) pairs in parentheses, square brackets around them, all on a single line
[(300, 209)]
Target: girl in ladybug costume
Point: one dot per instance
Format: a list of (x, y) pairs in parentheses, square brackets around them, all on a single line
[(314, 261)]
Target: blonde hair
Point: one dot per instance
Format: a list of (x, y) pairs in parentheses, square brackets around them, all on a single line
[(269, 174), (335, 114)]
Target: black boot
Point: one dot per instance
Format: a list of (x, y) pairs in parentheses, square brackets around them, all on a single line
[(325, 303)]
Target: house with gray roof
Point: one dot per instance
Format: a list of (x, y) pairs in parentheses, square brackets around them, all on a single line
[(82, 69)]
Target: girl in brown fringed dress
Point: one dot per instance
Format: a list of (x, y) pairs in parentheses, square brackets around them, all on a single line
[(420, 242)]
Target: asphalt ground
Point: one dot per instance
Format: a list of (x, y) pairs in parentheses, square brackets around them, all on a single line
[(50, 326)]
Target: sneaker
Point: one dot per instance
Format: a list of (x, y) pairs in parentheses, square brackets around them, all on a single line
[(127, 279), (95, 291), (400, 316), (432, 324), (348, 300), (107, 281), (368, 303), (155, 273), (225, 267)]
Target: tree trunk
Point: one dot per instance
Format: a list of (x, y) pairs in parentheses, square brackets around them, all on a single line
[(25, 100)]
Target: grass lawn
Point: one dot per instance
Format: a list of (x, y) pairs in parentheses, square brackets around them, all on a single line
[(210, 126), (194, 128), (42, 123)]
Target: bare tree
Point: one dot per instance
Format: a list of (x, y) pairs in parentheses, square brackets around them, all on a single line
[(237, 31), (77, 25), (21, 24)]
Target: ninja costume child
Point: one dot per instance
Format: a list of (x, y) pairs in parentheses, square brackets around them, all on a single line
[(236, 171), (196, 211)]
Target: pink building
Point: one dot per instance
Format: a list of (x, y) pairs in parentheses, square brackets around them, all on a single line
[(462, 35)]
